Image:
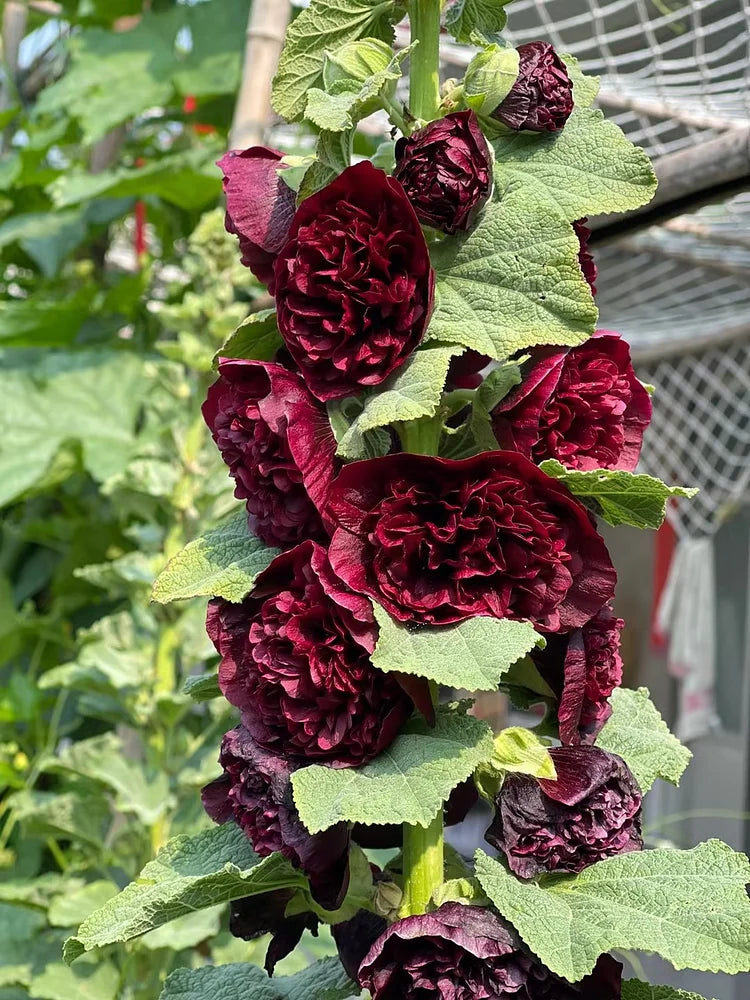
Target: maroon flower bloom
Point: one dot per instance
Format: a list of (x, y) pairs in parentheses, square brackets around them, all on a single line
[(585, 257), (583, 406), (590, 812), (296, 662), (353, 283), (254, 916), (437, 541), (256, 792), (583, 668), (260, 206), (446, 171), (277, 441), (468, 953), (541, 99)]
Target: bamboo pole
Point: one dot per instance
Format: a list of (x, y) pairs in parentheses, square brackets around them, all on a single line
[(266, 31)]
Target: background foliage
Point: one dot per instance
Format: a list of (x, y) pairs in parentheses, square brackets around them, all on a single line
[(105, 471)]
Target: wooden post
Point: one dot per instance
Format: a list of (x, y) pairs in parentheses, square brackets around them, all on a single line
[(266, 31)]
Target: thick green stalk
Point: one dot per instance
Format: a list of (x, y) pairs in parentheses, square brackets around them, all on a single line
[(423, 865), (424, 81)]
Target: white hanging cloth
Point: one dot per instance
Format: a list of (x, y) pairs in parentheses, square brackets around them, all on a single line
[(687, 614)]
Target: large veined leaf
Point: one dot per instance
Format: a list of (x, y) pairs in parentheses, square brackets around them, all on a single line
[(512, 282), (323, 980), (633, 989), (189, 874), (619, 497), (188, 180), (465, 18), (589, 168), (407, 783), (90, 398), (257, 338), (690, 907), (222, 563), (410, 393), (323, 25), (637, 733), (472, 655)]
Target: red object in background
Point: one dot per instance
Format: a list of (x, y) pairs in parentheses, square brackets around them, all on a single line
[(666, 540), (140, 243), (189, 106)]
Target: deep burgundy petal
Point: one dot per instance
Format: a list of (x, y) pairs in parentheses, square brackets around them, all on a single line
[(464, 952), (278, 443), (260, 206)]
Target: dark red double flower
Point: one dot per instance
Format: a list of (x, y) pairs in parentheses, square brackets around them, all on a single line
[(296, 662), (354, 284), (436, 541), (541, 99), (583, 406), (277, 441), (255, 791)]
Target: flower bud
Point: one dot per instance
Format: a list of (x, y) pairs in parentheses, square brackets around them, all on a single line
[(446, 171), (541, 99), (590, 812)]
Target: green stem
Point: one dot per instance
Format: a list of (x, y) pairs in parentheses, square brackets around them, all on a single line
[(421, 437), (423, 865), (424, 82)]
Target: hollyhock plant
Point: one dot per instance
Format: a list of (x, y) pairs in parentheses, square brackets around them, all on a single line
[(469, 953), (295, 659), (354, 285), (277, 441), (437, 541), (591, 811), (255, 791), (583, 406), (541, 99), (583, 668), (255, 916), (260, 206), (585, 257), (445, 169)]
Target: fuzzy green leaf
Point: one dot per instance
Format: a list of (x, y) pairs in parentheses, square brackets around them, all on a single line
[(202, 687), (343, 415), (85, 982), (690, 907), (490, 77), (475, 434), (465, 17), (634, 989), (323, 980), (410, 393), (506, 286), (520, 751), (190, 873), (619, 497), (589, 168), (406, 784), (222, 563), (325, 25), (585, 88), (347, 101), (472, 655), (256, 339), (637, 733)]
